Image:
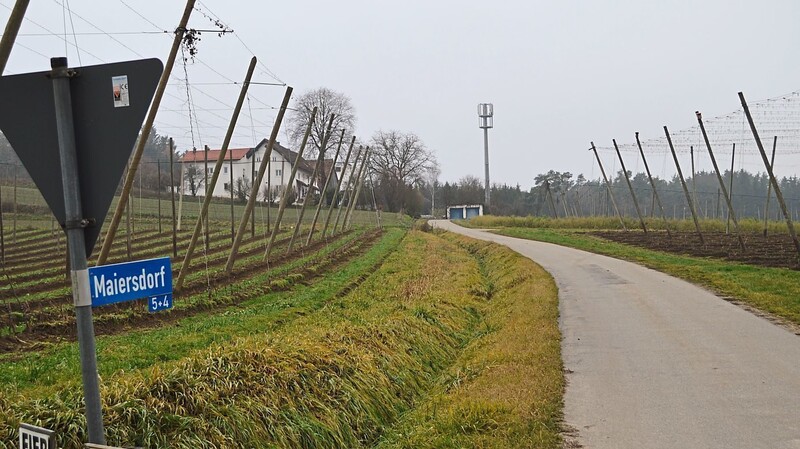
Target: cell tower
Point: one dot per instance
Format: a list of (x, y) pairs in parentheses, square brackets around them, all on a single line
[(486, 121)]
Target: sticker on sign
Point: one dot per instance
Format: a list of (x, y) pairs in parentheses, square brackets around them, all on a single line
[(119, 86), (151, 278)]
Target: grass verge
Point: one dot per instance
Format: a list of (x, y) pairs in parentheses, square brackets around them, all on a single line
[(773, 290), (436, 318)]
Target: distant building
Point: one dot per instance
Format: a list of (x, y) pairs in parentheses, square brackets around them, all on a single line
[(240, 160), (464, 212)]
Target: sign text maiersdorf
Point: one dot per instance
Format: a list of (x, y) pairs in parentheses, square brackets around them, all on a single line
[(131, 280)]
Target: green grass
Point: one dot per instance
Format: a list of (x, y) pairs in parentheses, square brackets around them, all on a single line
[(774, 290), (42, 372), (219, 211), (338, 364), (601, 222)]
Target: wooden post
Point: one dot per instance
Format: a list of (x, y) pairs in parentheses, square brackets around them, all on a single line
[(730, 190), (694, 183), (158, 164), (128, 229), (145, 133), (10, 34), (16, 210), (656, 198), (774, 181), (769, 185), (208, 193), (312, 180), (251, 200), (230, 169), (630, 187), (180, 198), (685, 189), (284, 201), (324, 190), (719, 178), (347, 189), (217, 169), (348, 216), (608, 188), (252, 181), (269, 192), (172, 196), (338, 186)]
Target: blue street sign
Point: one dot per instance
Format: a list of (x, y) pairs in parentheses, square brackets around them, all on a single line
[(151, 278)]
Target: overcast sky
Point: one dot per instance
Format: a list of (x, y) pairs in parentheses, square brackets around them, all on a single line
[(560, 74)]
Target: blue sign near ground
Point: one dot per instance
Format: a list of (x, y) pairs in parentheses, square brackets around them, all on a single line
[(151, 278)]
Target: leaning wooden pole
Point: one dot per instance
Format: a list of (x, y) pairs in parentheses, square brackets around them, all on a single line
[(312, 180), (653, 185), (730, 188), (348, 216), (630, 187), (338, 187), (775, 186), (10, 33), (187, 260), (324, 190), (262, 168), (284, 198), (685, 188), (145, 133), (769, 185), (721, 181), (608, 187), (347, 189)]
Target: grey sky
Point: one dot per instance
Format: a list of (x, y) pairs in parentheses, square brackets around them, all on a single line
[(559, 73)]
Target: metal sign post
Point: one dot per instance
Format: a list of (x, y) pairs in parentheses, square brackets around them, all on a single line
[(73, 130), (73, 227)]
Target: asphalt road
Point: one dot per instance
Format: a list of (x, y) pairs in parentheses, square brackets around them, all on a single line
[(655, 362)]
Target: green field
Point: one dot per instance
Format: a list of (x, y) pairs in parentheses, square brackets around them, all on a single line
[(421, 328)]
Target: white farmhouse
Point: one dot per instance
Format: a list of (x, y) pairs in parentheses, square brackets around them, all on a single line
[(240, 162)]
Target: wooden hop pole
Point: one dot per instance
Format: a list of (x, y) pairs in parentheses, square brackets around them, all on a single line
[(685, 188), (284, 197), (608, 187), (719, 178), (324, 190), (774, 181), (217, 169), (313, 179), (338, 186), (251, 201), (630, 187), (146, 128), (653, 185)]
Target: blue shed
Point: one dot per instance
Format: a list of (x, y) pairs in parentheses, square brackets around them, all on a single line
[(464, 211)]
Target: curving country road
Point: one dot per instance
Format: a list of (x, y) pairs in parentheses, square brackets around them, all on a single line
[(655, 362)]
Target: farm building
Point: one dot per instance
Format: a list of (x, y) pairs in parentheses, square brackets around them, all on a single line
[(463, 212), (241, 160)]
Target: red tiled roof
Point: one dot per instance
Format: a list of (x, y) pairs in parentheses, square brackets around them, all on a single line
[(213, 155)]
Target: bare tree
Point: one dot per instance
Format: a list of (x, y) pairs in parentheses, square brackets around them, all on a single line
[(401, 162), (401, 157), (329, 102)]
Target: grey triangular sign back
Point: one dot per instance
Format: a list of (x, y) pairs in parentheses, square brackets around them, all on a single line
[(107, 123)]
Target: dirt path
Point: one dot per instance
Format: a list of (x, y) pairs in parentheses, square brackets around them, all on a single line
[(655, 362)]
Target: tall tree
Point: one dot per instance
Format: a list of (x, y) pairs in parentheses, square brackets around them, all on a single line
[(328, 102), (401, 162)]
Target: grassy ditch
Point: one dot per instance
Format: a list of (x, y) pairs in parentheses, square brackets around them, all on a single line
[(505, 388), (465, 325), (774, 290)]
